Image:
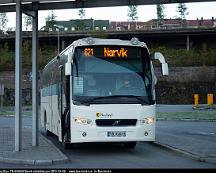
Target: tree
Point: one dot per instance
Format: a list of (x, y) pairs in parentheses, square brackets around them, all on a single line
[(132, 12), (51, 20), (80, 25), (82, 13), (3, 20), (160, 14), (27, 22), (182, 9)]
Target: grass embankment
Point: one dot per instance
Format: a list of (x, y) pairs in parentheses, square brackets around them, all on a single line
[(200, 114), (10, 111), (205, 114)]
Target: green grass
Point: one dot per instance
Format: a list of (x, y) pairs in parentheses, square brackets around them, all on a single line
[(9, 111), (205, 114), (197, 115)]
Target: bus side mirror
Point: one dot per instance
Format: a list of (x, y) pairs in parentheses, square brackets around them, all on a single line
[(68, 65), (159, 56), (165, 70), (68, 69)]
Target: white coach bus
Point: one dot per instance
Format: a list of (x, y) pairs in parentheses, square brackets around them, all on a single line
[(101, 90)]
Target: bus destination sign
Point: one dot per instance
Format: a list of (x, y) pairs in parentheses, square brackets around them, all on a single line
[(107, 52)]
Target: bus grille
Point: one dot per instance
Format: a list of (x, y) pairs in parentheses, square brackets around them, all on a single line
[(116, 122)]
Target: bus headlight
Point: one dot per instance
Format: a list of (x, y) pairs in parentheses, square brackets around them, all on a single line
[(82, 121), (148, 120)]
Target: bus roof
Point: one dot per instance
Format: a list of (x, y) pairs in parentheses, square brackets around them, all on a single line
[(99, 41)]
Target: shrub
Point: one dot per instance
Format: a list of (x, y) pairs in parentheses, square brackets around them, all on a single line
[(182, 57)]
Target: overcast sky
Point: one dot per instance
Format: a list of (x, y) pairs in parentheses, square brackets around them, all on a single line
[(145, 13)]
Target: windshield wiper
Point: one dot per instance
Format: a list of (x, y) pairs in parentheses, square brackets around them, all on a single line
[(143, 101), (139, 98)]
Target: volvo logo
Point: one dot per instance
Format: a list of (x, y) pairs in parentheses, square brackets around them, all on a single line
[(116, 123)]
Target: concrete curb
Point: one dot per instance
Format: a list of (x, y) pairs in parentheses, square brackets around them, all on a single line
[(57, 161), (26, 162), (186, 154)]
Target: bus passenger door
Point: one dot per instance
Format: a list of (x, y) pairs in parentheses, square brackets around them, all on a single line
[(60, 103)]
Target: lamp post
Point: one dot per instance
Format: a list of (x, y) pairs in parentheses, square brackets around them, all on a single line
[(92, 24), (58, 27)]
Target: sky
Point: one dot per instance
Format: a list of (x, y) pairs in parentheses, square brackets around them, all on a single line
[(207, 10)]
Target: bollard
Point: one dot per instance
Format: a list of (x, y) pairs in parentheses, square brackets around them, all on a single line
[(196, 100), (209, 99)]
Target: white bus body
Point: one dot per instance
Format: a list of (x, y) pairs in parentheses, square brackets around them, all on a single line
[(106, 113)]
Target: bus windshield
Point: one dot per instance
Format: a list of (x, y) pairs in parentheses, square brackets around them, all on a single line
[(112, 74)]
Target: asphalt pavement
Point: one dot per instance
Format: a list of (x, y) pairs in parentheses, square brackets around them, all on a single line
[(194, 139), (191, 139)]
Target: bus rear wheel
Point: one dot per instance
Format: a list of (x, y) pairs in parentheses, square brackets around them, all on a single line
[(47, 132), (129, 145), (66, 143)]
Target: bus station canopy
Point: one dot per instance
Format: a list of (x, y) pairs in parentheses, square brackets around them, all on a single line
[(9, 5)]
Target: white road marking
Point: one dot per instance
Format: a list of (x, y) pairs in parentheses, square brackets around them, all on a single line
[(206, 133)]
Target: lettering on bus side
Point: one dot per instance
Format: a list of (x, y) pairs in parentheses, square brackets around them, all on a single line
[(115, 52)]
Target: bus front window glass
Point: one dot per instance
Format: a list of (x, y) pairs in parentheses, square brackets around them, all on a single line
[(121, 74)]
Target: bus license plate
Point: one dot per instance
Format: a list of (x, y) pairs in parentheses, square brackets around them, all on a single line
[(116, 134)]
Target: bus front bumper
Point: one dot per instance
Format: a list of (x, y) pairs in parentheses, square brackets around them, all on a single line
[(113, 134)]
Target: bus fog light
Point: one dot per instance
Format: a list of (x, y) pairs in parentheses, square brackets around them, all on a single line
[(148, 120), (84, 134), (146, 133), (82, 121)]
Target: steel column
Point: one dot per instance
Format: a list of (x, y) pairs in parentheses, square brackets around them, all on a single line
[(62, 44), (58, 40), (18, 78), (35, 93), (188, 42)]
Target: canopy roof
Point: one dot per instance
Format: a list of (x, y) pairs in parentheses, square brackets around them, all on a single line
[(9, 5)]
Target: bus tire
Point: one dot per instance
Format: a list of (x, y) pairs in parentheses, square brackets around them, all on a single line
[(66, 143), (47, 132), (129, 145)]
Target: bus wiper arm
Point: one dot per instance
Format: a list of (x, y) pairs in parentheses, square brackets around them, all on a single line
[(115, 96), (102, 97), (138, 98)]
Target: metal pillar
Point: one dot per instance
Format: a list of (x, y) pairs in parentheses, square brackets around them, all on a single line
[(188, 43), (58, 41), (1, 101), (62, 44), (35, 79), (18, 78)]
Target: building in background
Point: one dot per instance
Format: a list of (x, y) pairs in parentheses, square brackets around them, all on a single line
[(103, 25), (178, 23), (128, 25), (79, 25)]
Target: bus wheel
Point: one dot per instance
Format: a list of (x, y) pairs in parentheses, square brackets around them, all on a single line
[(129, 145), (47, 132), (66, 143)]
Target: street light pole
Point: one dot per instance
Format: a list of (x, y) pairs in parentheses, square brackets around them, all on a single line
[(59, 27)]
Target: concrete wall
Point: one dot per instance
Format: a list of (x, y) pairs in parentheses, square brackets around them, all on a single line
[(177, 88), (176, 74), (8, 78), (188, 74)]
